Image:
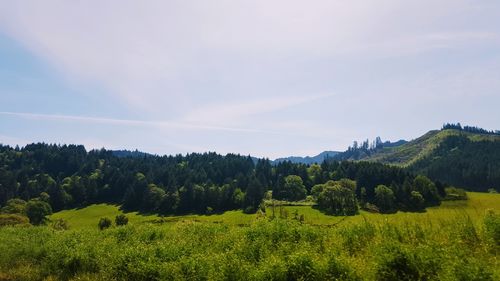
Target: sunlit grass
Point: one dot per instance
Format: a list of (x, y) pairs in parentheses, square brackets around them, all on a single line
[(449, 242), (475, 208)]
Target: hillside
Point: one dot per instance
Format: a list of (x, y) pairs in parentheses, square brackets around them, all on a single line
[(410, 152), (456, 157)]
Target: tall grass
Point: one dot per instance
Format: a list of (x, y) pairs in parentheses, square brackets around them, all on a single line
[(279, 249), (446, 243)]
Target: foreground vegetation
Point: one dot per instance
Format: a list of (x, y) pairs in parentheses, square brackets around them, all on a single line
[(459, 240)]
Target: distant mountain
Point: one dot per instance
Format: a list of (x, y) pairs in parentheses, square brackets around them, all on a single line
[(308, 159), (366, 150), (128, 153)]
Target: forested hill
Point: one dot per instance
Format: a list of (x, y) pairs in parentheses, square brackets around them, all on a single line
[(403, 153), (463, 161), (410, 152), (68, 176), (467, 157)]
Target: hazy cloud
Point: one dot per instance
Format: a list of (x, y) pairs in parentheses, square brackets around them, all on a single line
[(267, 67)]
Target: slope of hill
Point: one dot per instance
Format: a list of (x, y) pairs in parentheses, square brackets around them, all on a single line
[(419, 148), (308, 159), (464, 162)]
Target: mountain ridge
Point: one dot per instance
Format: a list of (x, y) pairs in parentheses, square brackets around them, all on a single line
[(308, 159)]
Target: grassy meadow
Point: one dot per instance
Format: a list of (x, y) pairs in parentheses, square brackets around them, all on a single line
[(474, 208), (458, 240)]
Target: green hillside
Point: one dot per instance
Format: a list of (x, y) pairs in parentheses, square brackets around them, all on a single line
[(409, 153)]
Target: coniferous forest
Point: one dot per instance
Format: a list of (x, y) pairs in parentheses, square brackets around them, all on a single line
[(68, 176)]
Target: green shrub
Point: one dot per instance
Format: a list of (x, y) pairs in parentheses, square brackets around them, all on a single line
[(338, 270), (15, 206), (104, 223), (466, 230), (470, 269), (121, 220), (301, 266), (13, 219), (60, 224), (453, 193), (357, 237), (37, 210), (398, 262), (492, 226)]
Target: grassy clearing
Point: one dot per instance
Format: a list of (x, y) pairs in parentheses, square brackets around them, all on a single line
[(475, 208), (89, 216)]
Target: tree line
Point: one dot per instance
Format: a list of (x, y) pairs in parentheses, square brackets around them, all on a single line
[(67, 176), (470, 129)]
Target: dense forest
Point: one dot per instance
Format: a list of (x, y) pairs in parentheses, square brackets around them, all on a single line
[(470, 129), (68, 176), (461, 162)]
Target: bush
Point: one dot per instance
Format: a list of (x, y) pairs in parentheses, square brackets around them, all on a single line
[(357, 237), (492, 226), (60, 224), (470, 269), (121, 220), (13, 219), (300, 266), (104, 223), (15, 206), (337, 270), (37, 210), (417, 201), (371, 208), (453, 193), (414, 263)]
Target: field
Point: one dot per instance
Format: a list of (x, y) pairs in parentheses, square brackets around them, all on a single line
[(456, 241), (474, 208)]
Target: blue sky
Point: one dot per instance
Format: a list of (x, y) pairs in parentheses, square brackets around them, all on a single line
[(267, 78)]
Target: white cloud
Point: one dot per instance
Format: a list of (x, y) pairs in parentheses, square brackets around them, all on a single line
[(125, 122), (153, 55), (220, 71), (228, 112)]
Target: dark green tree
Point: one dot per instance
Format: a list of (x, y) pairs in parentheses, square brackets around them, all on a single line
[(384, 199), (104, 223), (294, 189), (37, 210), (121, 220)]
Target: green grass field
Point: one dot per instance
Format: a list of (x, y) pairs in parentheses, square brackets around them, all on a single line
[(455, 241), (475, 208)]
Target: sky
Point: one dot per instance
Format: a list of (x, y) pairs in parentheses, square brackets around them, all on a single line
[(266, 78)]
